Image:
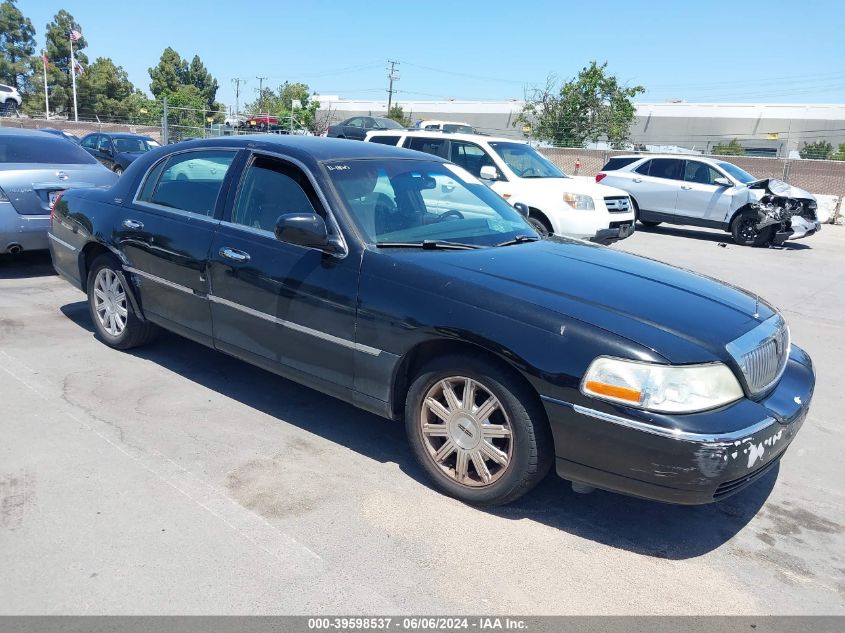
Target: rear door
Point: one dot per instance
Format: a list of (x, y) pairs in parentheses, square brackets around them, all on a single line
[(276, 302), (699, 196), (655, 184), (166, 232)]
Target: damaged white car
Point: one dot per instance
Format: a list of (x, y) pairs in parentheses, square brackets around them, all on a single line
[(699, 191)]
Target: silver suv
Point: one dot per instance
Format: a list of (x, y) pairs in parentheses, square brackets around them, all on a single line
[(10, 100), (708, 192)]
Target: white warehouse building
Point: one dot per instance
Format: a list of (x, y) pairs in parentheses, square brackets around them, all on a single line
[(762, 129)]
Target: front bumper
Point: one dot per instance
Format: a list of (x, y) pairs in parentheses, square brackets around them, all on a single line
[(802, 227), (687, 459), (617, 231)]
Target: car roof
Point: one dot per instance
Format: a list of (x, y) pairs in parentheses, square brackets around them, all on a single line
[(678, 156), (316, 147), (461, 136), (10, 131)]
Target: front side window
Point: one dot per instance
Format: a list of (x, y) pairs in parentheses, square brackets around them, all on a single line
[(271, 188), (469, 156), (188, 182), (89, 142), (104, 144), (525, 161), (700, 173), (400, 200)]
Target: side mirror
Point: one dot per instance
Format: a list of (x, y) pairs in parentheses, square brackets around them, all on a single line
[(522, 208), (488, 172), (308, 230), (723, 182)]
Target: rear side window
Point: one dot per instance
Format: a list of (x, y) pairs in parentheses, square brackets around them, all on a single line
[(669, 168), (44, 149), (385, 140), (188, 182), (619, 163), (436, 146)]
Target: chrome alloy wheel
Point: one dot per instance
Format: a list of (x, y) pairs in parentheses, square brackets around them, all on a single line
[(110, 302), (466, 431)]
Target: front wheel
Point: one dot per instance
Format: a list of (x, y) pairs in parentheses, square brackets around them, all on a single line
[(478, 433), (745, 232), (114, 319), (539, 226)]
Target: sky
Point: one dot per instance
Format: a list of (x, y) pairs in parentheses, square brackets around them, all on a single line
[(707, 51)]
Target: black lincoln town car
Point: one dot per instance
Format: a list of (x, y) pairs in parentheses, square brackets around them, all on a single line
[(398, 282)]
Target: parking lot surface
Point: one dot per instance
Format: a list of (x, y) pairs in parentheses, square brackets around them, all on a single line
[(174, 479)]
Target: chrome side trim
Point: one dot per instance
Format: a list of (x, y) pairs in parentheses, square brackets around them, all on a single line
[(158, 280), (366, 349), (70, 247), (675, 434)]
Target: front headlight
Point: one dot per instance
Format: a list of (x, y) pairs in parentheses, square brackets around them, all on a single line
[(664, 388), (579, 201)]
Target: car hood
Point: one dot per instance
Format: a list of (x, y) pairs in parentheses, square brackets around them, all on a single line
[(554, 186), (780, 188), (682, 316)]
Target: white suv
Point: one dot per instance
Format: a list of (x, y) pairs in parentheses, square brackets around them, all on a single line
[(556, 203), (10, 100)]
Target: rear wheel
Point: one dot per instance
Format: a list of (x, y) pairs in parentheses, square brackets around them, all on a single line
[(478, 433), (10, 107), (637, 216), (745, 232), (114, 319)]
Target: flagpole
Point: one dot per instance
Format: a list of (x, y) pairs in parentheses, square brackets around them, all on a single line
[(73, 79), (46, 97)]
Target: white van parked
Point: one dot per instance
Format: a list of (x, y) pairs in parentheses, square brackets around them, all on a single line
[(557, 203)]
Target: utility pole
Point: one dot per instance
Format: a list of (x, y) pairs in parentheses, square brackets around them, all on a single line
[(392, 76), (237, 81), (261, 92)]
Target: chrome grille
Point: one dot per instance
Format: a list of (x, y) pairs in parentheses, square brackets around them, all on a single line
[(762, 354), (618, 204)]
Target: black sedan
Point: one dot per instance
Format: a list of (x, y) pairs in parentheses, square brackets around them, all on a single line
[(117, 151), (357, 127), (400, 283)]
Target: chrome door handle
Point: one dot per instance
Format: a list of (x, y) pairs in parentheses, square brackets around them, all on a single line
[(685, 187), (133, 225), (234, 255), (638, 179)]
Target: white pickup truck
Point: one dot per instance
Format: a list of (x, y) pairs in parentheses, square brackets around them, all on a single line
[(557, 203)]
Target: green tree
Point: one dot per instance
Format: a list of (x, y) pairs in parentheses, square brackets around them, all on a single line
[(590, 107), (105, 91), (17, 46), (820, 150), (279, 103), (198, 76), (734, 148), (170, 73), (839, 154), (398, 114)]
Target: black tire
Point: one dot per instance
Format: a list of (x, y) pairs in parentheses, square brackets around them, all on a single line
[(745, 233), (135, 332), (648, 223), (538, 225), (118, 170), (530, 452)]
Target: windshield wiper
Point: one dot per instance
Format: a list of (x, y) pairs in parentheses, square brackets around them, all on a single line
[(519, 239), (429, 245)]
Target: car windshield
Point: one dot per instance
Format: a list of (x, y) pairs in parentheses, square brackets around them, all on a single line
[(739, 174), (45, 150), (525, 161), (132, 145), (414, 201), (388, 124)]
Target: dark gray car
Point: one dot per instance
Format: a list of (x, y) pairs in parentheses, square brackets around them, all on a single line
[(34, 169), (358, 126)]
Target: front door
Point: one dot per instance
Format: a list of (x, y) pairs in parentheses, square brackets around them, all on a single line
[(699, 196), (276, 302), (105, 152), (165, 234)]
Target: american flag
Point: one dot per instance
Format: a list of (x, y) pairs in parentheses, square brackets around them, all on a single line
[(75, 36), (79, 69)]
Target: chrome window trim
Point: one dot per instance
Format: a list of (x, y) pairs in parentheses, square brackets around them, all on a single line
[(317, 190), (676, 434), (359, 347), (70, 247), (159, 280), (174, 210)]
